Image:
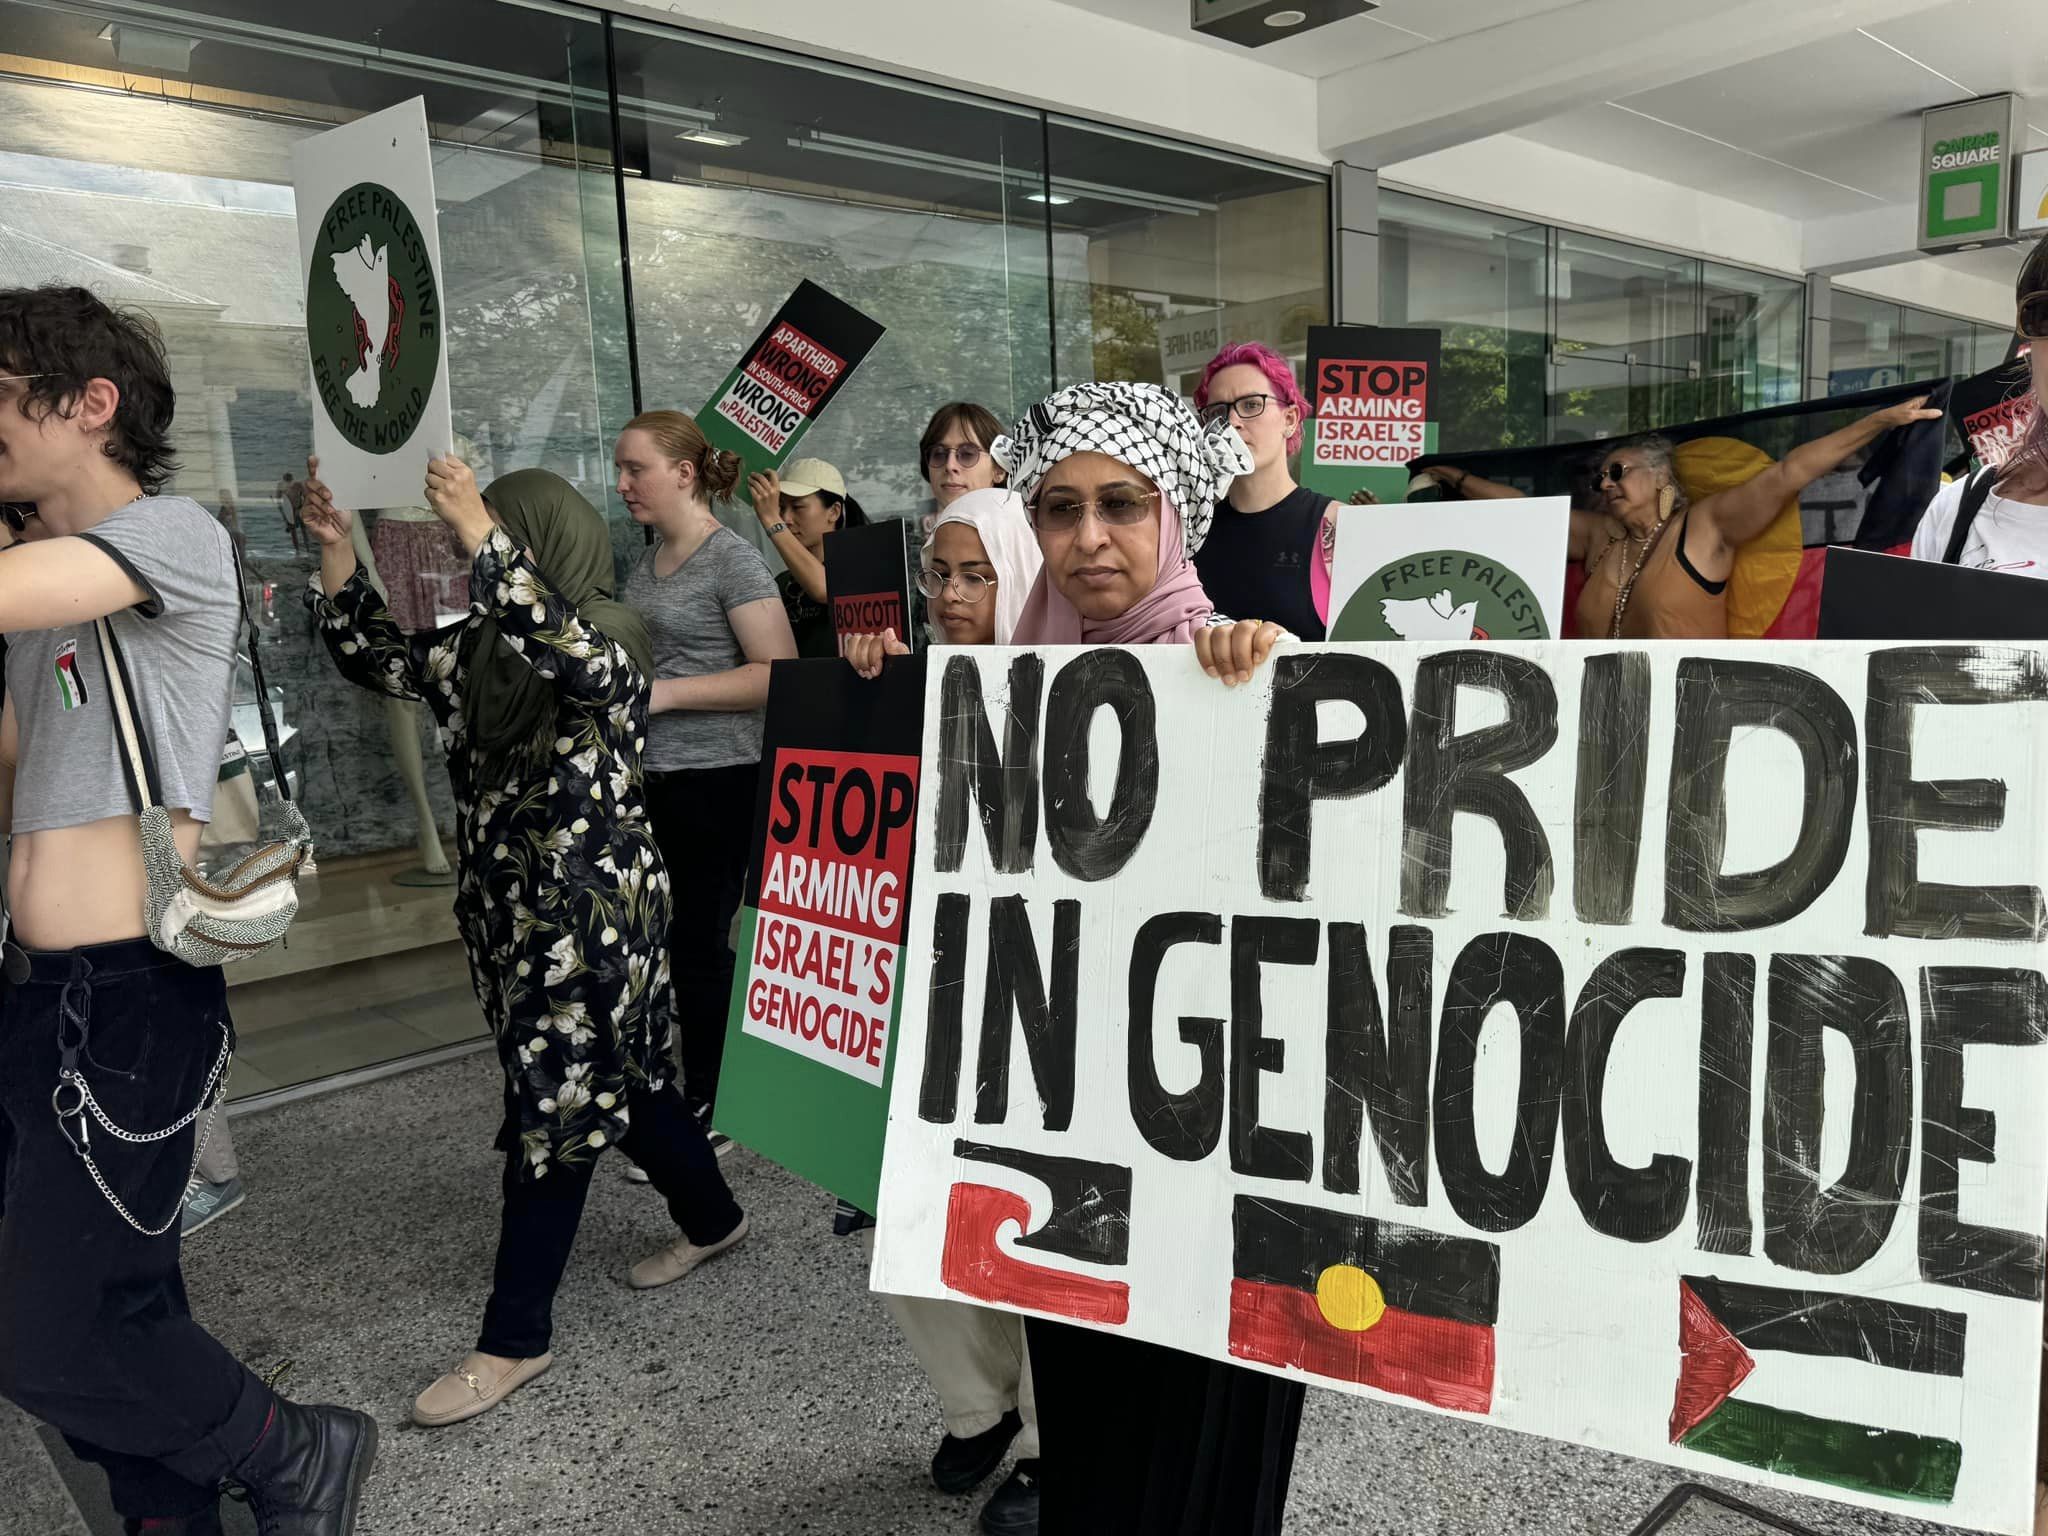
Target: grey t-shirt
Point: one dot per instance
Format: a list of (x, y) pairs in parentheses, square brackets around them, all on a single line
[(180, 650), (687, 614)]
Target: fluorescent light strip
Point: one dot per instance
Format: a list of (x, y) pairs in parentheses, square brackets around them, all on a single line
[(919, 159), (1784, 165)]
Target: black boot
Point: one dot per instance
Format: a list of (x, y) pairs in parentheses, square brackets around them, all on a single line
[(305, 1477), (961, 1465), (205, 1523)]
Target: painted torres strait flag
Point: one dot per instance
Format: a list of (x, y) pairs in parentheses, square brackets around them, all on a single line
[(1723, 1327), (1357, 1299)]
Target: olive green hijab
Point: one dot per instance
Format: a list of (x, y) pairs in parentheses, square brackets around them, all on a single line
[(507, 707)]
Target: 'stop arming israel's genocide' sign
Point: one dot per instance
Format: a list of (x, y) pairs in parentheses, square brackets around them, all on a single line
[(1635, 1045)]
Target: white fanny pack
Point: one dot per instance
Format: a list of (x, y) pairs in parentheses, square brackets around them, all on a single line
[(213, 917)]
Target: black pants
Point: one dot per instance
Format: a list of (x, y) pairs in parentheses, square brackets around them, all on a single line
[(1147, 1441), (703, 822), (95, 1337), (538, 1228)]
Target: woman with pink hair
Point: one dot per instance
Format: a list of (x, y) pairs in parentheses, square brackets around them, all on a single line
[(1268, 550)]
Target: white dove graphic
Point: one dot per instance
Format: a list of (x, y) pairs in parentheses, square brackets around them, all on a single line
[(364, 274), (1429, 618)]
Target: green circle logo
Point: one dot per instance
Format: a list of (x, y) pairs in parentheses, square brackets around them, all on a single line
[(373, 318), (1442, 595)]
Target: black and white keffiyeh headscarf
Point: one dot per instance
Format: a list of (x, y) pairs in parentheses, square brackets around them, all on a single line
[(1143, 425)]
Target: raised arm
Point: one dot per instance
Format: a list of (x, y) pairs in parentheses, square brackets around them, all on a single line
[(1459, 482), (762, 629), (538, 623), (368, 647), (766, 492), (1740, 513)]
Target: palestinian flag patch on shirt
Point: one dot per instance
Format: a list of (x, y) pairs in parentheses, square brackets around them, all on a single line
[(70, 683), (1353, 1298), (1722, 1329)]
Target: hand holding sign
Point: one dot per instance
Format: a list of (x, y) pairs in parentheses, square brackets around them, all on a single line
[(454, 498), (328, 523), (866, 652)]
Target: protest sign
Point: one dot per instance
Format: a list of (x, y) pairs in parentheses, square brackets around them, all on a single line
[(1488, 1029), (1869, 596), (801, 359), (815, 995), (370, 256), (1369, 391), (1470, 570), (869, 573), (1992, 410)]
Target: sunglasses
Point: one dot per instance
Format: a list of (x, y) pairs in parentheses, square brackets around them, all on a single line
[(1061, 512), (2033, 316), (967, 455), (1613, 474)]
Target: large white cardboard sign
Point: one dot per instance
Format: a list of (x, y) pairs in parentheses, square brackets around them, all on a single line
[(1636, 1045), (376, 321), (1457, 570)]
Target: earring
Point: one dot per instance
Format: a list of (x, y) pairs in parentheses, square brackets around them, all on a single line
[(1667, 499)]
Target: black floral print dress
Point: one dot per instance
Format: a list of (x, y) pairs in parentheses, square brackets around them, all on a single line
[(562, 899)]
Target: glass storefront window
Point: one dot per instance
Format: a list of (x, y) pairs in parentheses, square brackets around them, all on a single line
[(1483, 281), (145, 152), (152, 163), (1163, 253), (748, 171), (1551, 335), (1754, 339)]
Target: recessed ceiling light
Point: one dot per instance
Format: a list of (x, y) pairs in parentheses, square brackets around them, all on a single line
[(718, 138), (1286, 18), (1057, 199)]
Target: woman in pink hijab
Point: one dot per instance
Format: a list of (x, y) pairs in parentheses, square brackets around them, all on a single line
[(1136, 1438), (1121, 480)]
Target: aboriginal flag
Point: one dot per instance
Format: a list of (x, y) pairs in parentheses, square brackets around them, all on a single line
[(1723, 1327), (1352, 1298), (1872, 501)]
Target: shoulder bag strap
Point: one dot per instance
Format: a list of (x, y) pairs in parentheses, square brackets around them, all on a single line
[(1975, 494), (263, 711), (138, 767)]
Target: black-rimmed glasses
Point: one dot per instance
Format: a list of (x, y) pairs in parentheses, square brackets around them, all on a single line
[(1244, 408), (2033, 316)]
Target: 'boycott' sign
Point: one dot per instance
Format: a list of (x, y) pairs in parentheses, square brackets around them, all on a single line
[(791, 372)]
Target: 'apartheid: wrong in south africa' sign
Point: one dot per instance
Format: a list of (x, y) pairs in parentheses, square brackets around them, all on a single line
[(1635, 1045)]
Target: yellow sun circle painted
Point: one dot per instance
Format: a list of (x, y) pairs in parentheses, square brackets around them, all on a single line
[(1349, 1298)]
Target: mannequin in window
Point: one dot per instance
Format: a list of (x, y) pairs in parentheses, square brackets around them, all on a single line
[(401, 719)]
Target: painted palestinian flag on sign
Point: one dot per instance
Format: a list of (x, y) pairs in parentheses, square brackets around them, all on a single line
[(1873, 500), (1723, 1328), (1353, 1298)]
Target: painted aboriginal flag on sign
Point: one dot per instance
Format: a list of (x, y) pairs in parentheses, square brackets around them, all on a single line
[(1724, 1329), (1358, 1299), (1873, 501)]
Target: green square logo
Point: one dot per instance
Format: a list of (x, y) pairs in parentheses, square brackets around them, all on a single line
[(1963, 202)]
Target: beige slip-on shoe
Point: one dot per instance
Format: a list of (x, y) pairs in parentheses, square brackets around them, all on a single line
[(670, 1264), (476, 1386)]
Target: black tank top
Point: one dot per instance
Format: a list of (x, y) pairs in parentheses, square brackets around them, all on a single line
[(1256, 565)]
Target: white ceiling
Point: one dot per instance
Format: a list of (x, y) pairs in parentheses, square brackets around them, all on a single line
[(1395, 28), (1830, 128)]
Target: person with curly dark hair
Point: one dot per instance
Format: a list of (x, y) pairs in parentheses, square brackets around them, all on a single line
[(99, 1028)]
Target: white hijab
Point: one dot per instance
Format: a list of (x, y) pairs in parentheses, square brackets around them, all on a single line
[(998, 516)]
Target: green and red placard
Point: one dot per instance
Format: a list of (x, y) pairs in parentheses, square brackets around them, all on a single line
[(815, 994), (1370, 390), (801, 359)]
